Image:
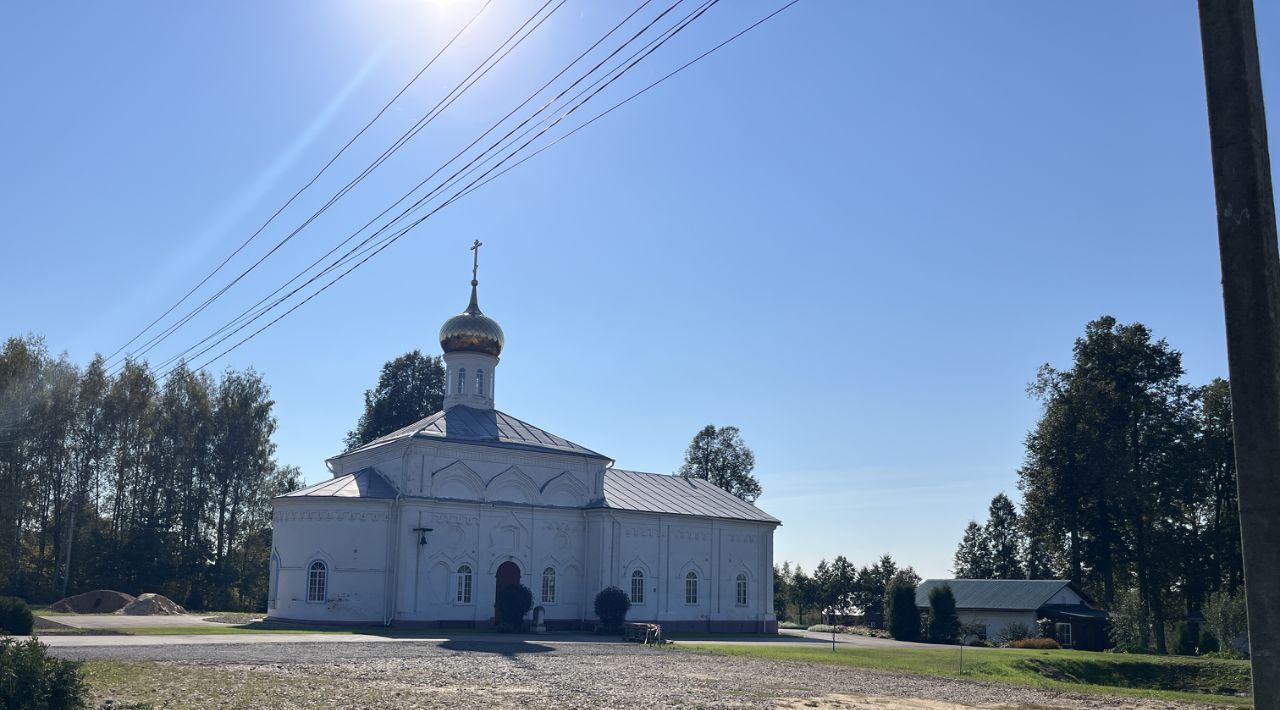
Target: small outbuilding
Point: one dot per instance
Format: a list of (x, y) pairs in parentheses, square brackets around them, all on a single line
[(995, 605)]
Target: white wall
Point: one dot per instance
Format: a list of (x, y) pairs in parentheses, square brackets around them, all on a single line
[(350, 537)]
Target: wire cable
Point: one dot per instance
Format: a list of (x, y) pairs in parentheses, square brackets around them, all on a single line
[(308, 184), (488, 176)]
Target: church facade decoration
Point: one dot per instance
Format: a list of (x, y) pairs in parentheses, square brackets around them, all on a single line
[(424, 525)]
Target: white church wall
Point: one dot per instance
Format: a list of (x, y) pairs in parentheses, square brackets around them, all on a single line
[(482, 536), (666, 548), (350, 537)]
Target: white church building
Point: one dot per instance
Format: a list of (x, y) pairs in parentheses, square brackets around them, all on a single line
[(423, 526)]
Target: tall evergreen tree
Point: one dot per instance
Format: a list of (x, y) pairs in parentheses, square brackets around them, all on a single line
[(973, 556), (1004, 539)]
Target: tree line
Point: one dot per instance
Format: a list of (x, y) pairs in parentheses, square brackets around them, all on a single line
[(122, 481), (1128, 487), (838, 591)]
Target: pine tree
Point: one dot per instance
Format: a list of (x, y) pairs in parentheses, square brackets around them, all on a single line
[(1004, 539), (973, 556)]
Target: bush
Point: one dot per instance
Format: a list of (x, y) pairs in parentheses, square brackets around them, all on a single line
[(904, 618), (1015, 631), (944, 624), (1036, 642), (514, 601), (611, 606), (15, 617), (1208, 642), (30, 678), (790, 625)]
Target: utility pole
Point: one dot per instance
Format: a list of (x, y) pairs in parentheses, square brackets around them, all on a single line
[(1251, 297)]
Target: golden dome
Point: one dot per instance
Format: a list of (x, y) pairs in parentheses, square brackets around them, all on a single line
[(471, 331)]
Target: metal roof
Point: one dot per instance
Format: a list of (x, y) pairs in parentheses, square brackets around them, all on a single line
[(365, 483), (659, 493), (481, 426), (1011, 594)]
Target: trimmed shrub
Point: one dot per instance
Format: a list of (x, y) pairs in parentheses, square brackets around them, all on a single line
[(30, 678), (15, 617), (514, 601), (611, 606), (790, 625), (1035, 642), (904, 618), (944, 623)]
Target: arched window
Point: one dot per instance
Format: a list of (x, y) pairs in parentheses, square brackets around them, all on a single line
[(463, 585), (742, 589), (462, 380), (480, 382), (637, 587), (548, 586), (317, 582), (691, 588)]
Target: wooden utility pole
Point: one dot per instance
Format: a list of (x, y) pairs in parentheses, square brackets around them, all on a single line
[(1251, 296)]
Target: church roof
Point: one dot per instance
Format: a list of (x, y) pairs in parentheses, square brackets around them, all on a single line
[(660, 493), (365, 483), (482, 426)]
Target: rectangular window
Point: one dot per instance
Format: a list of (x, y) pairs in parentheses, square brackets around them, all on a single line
[(464, 588), (691, 589), (637, 588), (742, 590), (1064, 635)]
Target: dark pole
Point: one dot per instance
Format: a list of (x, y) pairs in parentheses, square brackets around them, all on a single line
[(1251, 296)]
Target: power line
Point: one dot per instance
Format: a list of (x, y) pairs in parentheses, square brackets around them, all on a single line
[(437, 189), (487, 177), (308, 184), (476, 74)]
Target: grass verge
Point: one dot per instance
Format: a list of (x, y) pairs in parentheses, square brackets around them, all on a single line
[(1215, 682)]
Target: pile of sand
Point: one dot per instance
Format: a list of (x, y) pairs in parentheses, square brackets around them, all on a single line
[(99, 601), (151, 604)]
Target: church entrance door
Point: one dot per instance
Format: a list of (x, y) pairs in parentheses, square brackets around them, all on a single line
[(508, 574)]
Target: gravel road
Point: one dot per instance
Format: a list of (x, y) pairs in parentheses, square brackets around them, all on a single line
[(468, 674)]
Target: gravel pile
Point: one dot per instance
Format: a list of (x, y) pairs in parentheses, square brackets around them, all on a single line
[(99, 601), (151, 604)]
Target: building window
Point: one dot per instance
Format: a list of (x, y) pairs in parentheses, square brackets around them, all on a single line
[(691, 588), (463, 587), (742, 589), (462, 380), (1063, 632), (637, 587), (480, 382), (317, 582), (548, 586)]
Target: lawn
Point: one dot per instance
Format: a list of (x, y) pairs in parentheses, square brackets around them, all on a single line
[(1163, 677)]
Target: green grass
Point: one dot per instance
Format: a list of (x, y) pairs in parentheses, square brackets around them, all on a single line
[(1162, 677)]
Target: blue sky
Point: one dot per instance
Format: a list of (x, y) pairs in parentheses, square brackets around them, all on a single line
[(855, 233)]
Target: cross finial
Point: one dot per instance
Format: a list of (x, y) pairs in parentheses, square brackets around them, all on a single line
[(475, 260)]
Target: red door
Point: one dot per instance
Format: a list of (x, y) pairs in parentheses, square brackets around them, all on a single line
[(508, 574)]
